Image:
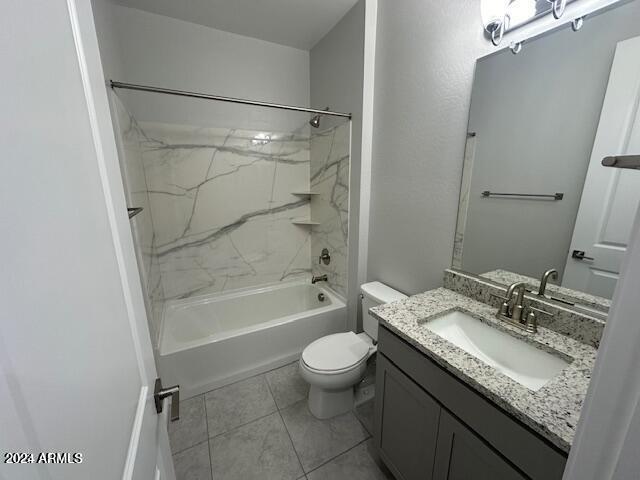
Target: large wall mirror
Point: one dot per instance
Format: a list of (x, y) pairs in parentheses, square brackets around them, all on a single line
[(535, 196)]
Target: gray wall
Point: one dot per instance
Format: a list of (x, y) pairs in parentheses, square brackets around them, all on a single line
[(424, 70), (104, 18), (157, 50), (337, 69), (535, 115)]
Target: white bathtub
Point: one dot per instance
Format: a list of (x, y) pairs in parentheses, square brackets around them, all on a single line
[(207, 342)]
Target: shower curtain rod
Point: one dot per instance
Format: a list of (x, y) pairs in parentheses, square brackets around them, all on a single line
[(206, 96)]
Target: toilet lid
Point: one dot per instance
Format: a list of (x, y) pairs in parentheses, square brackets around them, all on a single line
[(335, 352)]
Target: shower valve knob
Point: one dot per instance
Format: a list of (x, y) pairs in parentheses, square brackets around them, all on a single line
[(324, 257)]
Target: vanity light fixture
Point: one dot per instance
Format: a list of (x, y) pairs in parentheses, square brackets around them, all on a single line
[(576, 23), (557, 7), (494, 18), (515, 47), (502, 16)]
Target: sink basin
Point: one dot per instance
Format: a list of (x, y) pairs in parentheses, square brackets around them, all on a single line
[(517, 359)]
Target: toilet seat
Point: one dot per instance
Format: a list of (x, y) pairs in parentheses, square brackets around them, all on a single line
[(335, 353)]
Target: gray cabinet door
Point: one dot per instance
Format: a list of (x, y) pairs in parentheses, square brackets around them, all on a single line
[(407, 424), (461, 455)]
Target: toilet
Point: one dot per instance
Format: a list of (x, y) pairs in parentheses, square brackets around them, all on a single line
[(334, 364)]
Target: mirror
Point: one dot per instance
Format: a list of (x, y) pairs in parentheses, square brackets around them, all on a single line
[(534, 193)]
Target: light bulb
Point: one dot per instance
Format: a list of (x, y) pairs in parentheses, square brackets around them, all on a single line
[(493, 12)]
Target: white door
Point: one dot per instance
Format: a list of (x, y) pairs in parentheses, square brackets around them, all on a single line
[(76, 361), (610, 197)]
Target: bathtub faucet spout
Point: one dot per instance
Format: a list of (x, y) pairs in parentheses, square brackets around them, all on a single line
[(319, 278)]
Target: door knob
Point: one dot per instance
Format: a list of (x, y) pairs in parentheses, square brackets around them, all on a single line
[(580, 255), (159, 394)]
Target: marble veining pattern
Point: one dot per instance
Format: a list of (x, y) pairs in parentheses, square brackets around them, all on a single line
[(552, 411), (223, 204), (330, 151), (564, 320), (505, 277), (219, 204), (130, 143)]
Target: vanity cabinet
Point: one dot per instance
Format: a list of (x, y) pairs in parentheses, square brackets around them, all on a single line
[(410, 424), (430, 425), (461, 455)]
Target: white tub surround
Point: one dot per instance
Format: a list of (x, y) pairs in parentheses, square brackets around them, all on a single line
[(222, 202), (221, 212), (213, 340), (330, 154), (130, 144)]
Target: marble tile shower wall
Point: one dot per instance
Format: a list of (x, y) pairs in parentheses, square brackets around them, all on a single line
[(219, 204), (330, 151), (132, 140), (222, 205)]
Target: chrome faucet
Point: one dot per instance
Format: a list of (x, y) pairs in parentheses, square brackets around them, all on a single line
[(512, 309), (319, 278), (553, 273), (515, 308)]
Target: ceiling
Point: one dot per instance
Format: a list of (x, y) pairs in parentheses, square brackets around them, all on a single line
[(296, 23)]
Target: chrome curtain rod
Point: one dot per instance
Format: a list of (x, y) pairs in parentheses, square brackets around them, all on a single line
[(206, 96)]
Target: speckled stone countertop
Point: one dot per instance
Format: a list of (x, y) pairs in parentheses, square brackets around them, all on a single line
[(552, 411), (505, 277)]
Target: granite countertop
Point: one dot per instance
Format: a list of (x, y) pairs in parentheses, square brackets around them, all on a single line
[(552, 411), (505, 277)]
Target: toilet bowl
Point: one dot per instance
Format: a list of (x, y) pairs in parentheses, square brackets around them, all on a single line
[(334, 364)]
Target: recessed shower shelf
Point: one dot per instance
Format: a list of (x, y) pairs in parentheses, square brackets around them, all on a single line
[(304, 221), (307, 193)]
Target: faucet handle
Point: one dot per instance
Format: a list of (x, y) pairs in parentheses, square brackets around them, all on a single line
[(324, 257), (504, 307), (532, 319)]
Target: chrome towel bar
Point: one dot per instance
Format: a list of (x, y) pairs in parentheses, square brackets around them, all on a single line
[(555, 196)]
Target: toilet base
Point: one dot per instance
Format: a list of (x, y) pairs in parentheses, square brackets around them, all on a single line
[(325, 404)]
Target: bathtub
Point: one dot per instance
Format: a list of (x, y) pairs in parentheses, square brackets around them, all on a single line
[(210, 341)]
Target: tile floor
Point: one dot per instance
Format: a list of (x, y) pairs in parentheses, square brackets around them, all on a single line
[(261, 428)]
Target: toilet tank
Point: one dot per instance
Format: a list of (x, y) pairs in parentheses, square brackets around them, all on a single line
[(374, 294)]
